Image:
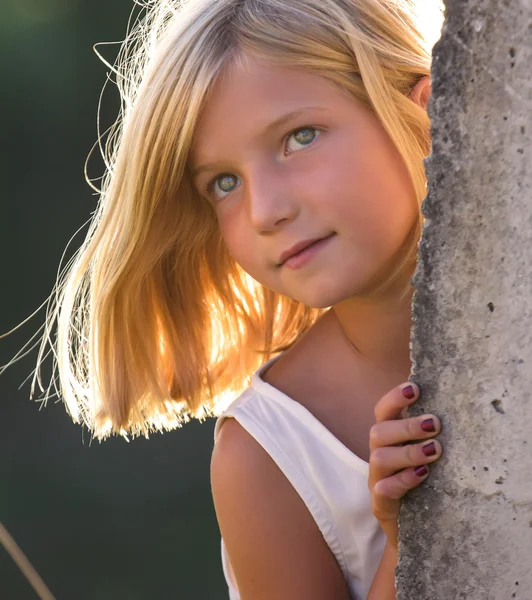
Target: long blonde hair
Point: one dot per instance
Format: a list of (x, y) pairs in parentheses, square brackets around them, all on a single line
[(155, 320)]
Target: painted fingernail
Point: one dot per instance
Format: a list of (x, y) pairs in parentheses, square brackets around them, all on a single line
[(429, 449), (421, 471), (429, 426), (408, 392)]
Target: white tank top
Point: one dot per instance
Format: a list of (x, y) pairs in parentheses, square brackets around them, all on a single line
[(331, 480)]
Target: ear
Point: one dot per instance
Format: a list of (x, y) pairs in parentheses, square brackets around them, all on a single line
[(420, 93)]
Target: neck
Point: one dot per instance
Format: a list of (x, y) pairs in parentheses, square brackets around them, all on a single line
[(377, 330)]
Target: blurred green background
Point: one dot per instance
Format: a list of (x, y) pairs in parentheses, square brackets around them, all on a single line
[(114, 520)]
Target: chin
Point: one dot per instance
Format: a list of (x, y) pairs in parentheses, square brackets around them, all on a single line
[(321, 298)]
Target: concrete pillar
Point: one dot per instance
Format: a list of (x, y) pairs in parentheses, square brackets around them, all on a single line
[(467, 531)]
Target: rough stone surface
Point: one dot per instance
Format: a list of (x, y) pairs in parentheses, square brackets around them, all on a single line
[(467, 531)]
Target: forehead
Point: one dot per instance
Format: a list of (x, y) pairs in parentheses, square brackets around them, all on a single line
[(250, 95)]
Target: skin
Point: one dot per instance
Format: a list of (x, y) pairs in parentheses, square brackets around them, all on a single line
[(329, 171), (346, 179), (282, 191)]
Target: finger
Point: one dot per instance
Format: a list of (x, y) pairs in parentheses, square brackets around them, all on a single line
[(386, 461), (390, 433), (388, 491), (391, 405)]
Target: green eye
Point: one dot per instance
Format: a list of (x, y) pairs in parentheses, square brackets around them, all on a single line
[(226, 182), (306, 136), (302, 137)]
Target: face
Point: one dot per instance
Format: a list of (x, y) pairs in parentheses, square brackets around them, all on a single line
[(312, 198)]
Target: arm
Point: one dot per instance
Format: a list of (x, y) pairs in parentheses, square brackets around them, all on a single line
[(275, 548), (383, 586)]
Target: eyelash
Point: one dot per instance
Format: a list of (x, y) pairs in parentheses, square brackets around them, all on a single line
[(207, 189)]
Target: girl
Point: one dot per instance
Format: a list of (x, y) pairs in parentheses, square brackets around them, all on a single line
[(258, 228)]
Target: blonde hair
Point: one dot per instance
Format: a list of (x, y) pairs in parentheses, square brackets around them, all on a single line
[(156, 321)]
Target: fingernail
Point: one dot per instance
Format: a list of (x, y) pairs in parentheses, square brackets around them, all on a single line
[(421, 471), (429, 449), (408, 392), (428, 426)]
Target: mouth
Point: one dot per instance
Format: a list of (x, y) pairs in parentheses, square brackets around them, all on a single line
[(301, 249)]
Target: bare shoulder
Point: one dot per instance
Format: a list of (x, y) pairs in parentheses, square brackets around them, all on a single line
[(275, 548)]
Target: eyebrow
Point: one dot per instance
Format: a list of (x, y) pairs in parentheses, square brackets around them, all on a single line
[(270, 127)]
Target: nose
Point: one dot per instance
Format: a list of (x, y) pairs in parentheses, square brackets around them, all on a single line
[(270, 200)]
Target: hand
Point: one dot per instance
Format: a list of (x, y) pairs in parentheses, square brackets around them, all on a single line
[(394, 468)]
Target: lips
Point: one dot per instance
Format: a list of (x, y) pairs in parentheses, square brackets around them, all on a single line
[(299, 247)]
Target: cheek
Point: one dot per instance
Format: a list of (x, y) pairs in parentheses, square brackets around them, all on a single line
[(230, 233), (372, 191), (238, 241)]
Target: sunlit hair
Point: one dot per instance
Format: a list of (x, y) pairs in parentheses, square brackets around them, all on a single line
[(156, 321)]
